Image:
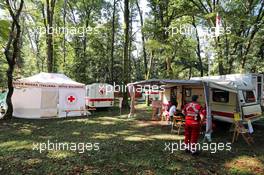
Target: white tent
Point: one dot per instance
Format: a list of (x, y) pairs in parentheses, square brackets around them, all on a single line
[(48, 95)]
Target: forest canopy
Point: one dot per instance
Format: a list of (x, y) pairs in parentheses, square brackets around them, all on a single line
[(165, 39)]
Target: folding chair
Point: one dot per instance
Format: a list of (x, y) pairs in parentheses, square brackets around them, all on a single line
[(178, 122), (240, 129)]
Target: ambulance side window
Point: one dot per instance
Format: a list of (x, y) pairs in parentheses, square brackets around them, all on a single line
[(249, 96), (220, 96)]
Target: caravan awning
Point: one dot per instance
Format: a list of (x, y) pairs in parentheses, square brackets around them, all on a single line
[(227, 85), (166, 82), (146, 82)]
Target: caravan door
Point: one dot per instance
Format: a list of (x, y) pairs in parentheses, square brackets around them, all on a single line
[(251, 107)]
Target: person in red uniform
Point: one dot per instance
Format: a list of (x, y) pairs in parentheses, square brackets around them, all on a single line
[(194, 115)]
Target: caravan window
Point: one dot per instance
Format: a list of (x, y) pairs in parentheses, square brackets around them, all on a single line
[(188, 92), (220, 96), (249, 96)]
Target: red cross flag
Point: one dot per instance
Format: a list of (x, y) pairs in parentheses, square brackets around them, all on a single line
[(217, 25)]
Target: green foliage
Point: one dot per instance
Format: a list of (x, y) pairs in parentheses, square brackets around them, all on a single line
[(4, 30), (169, 55)]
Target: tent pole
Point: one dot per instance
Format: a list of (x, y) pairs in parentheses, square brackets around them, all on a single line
[(132, 91), (208, 112)]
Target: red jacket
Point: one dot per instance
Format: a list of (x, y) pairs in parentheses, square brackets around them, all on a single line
[(191, 111)]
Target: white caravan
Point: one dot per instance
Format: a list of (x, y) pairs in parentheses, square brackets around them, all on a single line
[(99, 95), (222, 97)]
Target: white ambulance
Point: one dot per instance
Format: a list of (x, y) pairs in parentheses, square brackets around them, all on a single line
[(99, 95)]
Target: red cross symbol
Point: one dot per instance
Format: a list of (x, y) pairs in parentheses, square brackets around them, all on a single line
[(71, 99), (102, 91)]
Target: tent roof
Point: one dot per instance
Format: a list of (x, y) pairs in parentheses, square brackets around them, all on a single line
[(48, 79)]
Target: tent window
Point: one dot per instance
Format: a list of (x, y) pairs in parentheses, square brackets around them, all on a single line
[(249, 96), (220, 96)]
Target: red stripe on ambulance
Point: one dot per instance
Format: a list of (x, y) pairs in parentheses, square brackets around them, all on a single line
[(99, 99)]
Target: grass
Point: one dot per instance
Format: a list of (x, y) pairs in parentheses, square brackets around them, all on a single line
[(127, 146)]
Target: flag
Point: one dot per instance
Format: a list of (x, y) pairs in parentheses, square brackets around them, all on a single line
[(217, 25)]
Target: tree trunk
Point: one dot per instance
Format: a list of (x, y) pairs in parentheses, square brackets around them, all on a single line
[(143, 40), (190, 73), (9, 73), (150, 65), (113, 43), (12, 53), (125, 56), (48, 22), (198, 51), (130, 46), (221, 69), (64, 35)]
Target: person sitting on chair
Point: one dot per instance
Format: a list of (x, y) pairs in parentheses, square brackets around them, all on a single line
[(173, 110)]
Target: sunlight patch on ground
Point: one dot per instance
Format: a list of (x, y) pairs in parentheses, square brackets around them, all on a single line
[(84, 121), (167, 137), (25, 131), (76, 133), (45, 137), (109, 119), (137, 137), (124, 132), (103, 136), (60, 154), (107, 122), (15, 145), (124, 117), (245, 164), (33, 161), (141, 124), (142, 106)]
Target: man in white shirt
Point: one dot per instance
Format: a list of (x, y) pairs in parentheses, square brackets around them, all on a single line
[(172, 110)]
